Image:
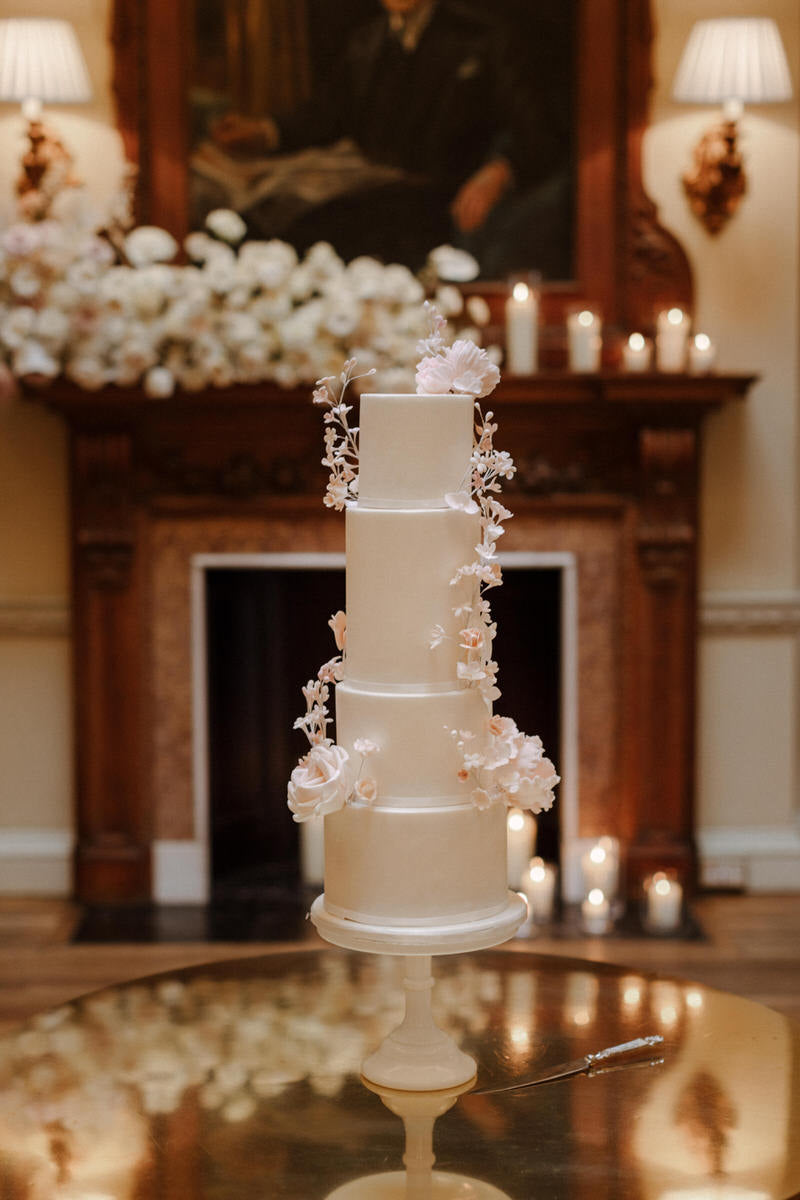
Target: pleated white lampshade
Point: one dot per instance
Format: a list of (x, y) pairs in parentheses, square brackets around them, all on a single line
[(41, 59), (733, 58)]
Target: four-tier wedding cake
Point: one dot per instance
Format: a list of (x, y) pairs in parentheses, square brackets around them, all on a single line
[(414, 789)]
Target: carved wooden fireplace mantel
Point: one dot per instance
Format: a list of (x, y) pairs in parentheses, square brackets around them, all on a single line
[(608, 469)]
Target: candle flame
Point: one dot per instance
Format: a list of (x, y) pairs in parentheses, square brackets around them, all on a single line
[(675, 316), (597, 854), (595, 897), (636, 341), (586, 318), (694, 999), (663, 887), (520, 291), (516, 820), (702, 341)]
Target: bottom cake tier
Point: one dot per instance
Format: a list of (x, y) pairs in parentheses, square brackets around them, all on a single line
[(415, 866)]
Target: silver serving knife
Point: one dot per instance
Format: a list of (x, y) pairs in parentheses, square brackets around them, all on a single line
[(639, 1052)]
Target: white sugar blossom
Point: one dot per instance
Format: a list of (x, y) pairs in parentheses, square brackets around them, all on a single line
[(25, 282), (226, 224)]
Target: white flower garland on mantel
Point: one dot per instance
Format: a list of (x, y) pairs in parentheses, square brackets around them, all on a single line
[(240, 312)]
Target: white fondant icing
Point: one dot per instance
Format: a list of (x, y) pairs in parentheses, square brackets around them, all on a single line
[(399, 567), (416, 757), (413, 448), (425, 866)]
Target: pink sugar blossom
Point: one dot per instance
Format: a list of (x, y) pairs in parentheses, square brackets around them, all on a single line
[(338, 624), (464, 368)]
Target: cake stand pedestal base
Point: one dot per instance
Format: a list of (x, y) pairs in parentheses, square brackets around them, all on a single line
[(396, 1185), (419, 1056), (419, 1181)]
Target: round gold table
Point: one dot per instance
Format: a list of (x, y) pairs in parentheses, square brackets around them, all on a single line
[(241, 1080)]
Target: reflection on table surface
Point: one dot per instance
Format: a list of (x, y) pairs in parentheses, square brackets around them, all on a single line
[(241, 1079)]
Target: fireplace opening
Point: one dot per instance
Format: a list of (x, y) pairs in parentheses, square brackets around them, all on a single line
[(266, 634)]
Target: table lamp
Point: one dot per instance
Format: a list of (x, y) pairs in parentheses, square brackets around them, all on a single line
[(41, 62), (730, 61)]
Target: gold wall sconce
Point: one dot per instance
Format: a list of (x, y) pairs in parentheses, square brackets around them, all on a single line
[(728, 61), (41, 62)]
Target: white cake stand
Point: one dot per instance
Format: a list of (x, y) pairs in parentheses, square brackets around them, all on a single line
[(418, 1056), (419, 1181)]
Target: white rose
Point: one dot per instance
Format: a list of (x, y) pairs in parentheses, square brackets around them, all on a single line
[(199, 246), (32, 359), (159, 383), (88, 373), (226, 224), (149, 244), (52, 327), (319, 783), (16, 327), (399, 286), (456, 266), (343, 314), (364, 276), (323, 262), (269, 264), (449, 300), (25, 282)]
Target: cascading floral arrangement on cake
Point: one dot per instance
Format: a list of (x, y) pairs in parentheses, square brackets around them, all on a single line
[(415, 787)]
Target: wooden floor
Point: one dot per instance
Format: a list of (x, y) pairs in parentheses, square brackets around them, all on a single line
[(752, 948)]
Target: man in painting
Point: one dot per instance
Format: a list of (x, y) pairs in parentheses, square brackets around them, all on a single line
[(444, 120)]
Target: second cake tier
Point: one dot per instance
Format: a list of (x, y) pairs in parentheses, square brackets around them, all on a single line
[(416, 756)]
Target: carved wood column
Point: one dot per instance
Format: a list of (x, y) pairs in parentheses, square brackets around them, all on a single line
[(112, 855), (665, 658)]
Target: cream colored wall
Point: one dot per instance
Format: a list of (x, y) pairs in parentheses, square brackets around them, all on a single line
[(747, 281), (35, 740), (747, 299)]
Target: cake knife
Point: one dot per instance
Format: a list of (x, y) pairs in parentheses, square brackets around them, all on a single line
[(640, 1052)]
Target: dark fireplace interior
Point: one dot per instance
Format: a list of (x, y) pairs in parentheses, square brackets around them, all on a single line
[(267, 634)]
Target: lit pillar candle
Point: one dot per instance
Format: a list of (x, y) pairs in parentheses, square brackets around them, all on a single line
[(600, 867), (312, 851), (702, 354), (663, 903), (539, 885), (671, 336), (522, 330), (521, 843), (637, 353), (584, 340), (596, 912)]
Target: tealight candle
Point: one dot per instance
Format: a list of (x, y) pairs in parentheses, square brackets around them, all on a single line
[(584, 340), (522, 329), (663, 903), (673, 330), (702, 354), (637, 353), (539, 884), (596, 912), (521, 843), (600, 867)]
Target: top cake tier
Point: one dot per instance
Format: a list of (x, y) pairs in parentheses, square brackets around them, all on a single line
[(413, 449)]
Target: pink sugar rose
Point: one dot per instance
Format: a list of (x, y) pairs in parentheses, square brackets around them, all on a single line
[(464, 368), (319, 783)]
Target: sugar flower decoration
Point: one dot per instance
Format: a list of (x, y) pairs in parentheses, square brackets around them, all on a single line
[(463, 368)]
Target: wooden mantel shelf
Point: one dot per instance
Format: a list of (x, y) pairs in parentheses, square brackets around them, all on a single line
[(608, 469), (549, 388)]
